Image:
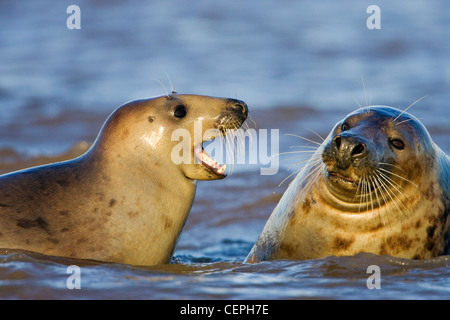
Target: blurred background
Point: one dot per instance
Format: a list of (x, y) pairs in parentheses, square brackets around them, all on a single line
[(299, 65)]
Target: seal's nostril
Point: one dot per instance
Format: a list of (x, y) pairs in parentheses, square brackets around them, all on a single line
[(359, 150), (239, 106), (242, 107), (337, 142)]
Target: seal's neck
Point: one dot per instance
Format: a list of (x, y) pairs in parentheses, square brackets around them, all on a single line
[(152, 201)]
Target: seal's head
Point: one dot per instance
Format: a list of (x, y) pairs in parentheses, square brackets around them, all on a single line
[(378, 184), (169, 131), (373, 153)]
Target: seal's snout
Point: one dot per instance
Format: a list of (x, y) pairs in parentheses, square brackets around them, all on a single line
[(345, 150), (233, 116)]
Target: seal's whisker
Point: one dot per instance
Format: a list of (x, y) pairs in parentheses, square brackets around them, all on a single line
[(321, 138), (228, 140), (409, 107), (359, 192), (391, 193), (297, 157), (384, 193), (297, 163), (250, 119), (301, 154), (297, 136), (162, 85), (399, 192), (241, 134), (313, 162), (365, 92), (366, 192), (316, 172), (403, 178), (284, 180), (231, 147), (404, 121), (238, 139), (357, 102), (317, 168), (309, 147), (393, 183), (295, 152), (390, 164), (376, 190), (172, 89)]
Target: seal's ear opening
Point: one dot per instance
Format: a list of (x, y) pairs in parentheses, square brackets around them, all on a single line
[(150, 119)]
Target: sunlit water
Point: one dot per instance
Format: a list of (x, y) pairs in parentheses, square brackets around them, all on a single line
[(299, 66)]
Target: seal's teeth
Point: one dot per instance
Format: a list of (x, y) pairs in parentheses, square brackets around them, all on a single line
[(207, 160)]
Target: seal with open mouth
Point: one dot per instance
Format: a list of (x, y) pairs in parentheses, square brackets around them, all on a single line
[(124, 200), (377, 184)]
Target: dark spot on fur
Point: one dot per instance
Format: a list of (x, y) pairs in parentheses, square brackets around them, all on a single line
[(64, 213), (133, 214), (376, 226), (168, 224), (430, 245), (2, 205), (27, 223), (81, 240), (340, 243), (100, 196), (418, 224), (430, 231), (288, 249), (52, 240), (395, 244), (112, 202), (126, 133), (292, 218), (64, 230), (42, 223), (306, 206)]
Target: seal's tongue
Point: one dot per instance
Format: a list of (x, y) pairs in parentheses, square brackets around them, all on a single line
[(208, 161)]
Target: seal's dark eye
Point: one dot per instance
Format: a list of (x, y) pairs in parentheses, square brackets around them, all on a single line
[(180, 111), (345, 127), (397, 144)]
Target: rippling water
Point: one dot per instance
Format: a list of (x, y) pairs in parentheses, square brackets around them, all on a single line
[(299, 65)]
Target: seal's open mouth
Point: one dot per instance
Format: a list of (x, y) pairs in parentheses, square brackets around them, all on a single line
[(207, 161)]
